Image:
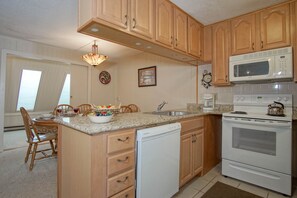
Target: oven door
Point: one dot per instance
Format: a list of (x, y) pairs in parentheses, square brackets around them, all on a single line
[(257, 142)]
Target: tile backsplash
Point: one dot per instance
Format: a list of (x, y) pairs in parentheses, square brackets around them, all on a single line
[(224, 95)]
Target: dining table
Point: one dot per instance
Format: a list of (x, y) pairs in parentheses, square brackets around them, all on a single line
[(45, 125)]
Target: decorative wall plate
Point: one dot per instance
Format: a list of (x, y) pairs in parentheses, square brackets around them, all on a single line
[(104, 77), (206, 79)]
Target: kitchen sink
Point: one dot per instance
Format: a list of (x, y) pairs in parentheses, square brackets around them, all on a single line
[(170, 113)]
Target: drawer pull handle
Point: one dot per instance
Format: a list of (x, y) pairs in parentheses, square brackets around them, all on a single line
[(134, 20), (126, 195), (122, 181), (123, 160), (126, 17), (121, 140)]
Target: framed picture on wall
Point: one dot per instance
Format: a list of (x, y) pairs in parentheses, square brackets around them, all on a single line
[(147, 76)]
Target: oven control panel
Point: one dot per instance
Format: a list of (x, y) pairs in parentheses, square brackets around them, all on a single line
[(262, 99)]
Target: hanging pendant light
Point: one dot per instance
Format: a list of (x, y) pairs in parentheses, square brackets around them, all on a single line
[(94, 58)]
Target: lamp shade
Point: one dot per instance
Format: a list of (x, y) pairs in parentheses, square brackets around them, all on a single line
[(94, 58)]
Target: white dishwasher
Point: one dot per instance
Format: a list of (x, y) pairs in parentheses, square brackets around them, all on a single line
[(158, 151)]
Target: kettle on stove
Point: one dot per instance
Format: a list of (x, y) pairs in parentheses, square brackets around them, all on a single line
[(276, 109)]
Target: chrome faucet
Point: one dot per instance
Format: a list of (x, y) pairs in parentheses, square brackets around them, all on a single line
[(160, 106)]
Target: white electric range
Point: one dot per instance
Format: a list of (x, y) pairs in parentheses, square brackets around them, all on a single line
[(256, 147)]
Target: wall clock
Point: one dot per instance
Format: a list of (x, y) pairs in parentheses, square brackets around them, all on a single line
[(206, 79), (104, 77)]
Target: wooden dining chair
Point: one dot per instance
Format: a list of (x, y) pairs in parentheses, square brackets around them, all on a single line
[(34, 139), (84, 108), (134, 107), (125, 109), (63, 107)]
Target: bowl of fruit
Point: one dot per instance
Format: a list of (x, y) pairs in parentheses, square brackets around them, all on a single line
[(100, 116)]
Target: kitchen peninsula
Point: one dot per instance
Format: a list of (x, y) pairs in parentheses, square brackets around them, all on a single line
[(98, 160)]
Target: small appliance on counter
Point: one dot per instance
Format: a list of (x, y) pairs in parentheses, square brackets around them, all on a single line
[(209, 102)]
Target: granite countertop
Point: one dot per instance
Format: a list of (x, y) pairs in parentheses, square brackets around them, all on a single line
[(140, 120), (124, 121)]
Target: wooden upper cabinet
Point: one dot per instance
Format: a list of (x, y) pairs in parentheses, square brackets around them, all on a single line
[(195, 38), (275, 27), (136, 16), (115, 12), (220, 55), (243, 34), (207, 43), (142, 17), (180, 30), (164, 22), (294, 44)]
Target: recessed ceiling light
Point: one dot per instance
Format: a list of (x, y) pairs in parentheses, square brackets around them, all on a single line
[(94, 29), (138, 43), (149, 47)]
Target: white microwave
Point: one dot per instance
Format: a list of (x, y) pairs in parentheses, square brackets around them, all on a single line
[(270, 65)]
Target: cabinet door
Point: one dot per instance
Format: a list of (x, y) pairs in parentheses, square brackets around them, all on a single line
[(220, 56), (185, 173), (164, 22), (198, 151), (142, 15), (294, 44), (195, 34), (207, 43), (243, 30), (180, 30), (115, 12), (212, 142), (275, 27)]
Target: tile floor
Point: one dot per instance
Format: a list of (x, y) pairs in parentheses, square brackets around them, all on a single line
[(200, 185)]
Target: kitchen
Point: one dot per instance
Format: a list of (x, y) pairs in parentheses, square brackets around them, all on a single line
[(185, 92)]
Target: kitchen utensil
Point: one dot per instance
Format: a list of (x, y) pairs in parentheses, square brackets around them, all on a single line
[(276, 109)]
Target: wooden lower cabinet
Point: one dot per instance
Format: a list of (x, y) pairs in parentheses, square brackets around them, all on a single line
[(212, 141), (191, 149), (101, 165), (106, 162), (128, 193), (120, 182)]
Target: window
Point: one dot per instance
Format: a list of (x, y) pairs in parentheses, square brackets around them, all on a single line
[(65, 94), (28, 89)]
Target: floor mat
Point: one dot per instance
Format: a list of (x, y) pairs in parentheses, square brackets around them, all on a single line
[(221, 190)]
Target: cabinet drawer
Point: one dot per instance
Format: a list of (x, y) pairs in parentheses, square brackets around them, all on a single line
[(120, 141), (120, 182), (129, 193), (120, 162), (188, 125)]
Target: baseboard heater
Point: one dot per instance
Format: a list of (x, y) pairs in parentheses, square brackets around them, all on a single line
[(14, 128)]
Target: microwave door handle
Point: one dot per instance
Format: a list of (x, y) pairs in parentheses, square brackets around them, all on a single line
[(258, 122)]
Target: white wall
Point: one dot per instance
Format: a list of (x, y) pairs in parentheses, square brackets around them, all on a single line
[(176, 82), (51, 84), (104, 94), (225, 94), (29, 49)]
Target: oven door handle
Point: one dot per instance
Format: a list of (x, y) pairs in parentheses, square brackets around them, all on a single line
[(258, 122)]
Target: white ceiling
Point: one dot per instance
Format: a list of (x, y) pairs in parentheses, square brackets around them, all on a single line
[(54, 22), (211, 11)]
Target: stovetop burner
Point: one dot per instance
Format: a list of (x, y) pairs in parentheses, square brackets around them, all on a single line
[(238, 112)]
